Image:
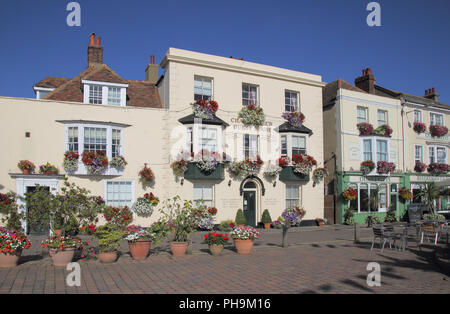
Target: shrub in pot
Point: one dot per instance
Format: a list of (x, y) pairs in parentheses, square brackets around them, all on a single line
[(109, 237), (12, 218), (266, 219), (61, 249), (243, 238), (216, 241), (227, 225), (240, 218), (183, 221), (12, 244)]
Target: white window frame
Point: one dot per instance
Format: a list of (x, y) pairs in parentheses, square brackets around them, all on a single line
[(374, 140), (292, 144), (436, 114), (203, 186), (289, 142), (105, 91), (81, 168), (366, 110), (419, 113), (435, 148), (383, 122), (357, 186), (250, 148), (422, 154), (105, 187), (40, 90), (257, 102), (196, 130), (203, 78), (292, 187), (297, 106)]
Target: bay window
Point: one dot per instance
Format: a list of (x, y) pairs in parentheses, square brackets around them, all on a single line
[(298, 145), (375, 148), (418, 153), (382, 153), (367, 149), (208, 139), (94, 139), (284, 150)]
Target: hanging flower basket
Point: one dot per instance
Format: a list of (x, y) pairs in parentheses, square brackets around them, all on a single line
[(365, 128), (205, 109), (70, 162), (420, 167), (207, 162), (318, 175), (303, 163), (251, 167), (179, 167), (438, 130), (367, 167), (95, 162), (283, 161), (349, 194), (118, 162), (146, 175), (419, 127), (143, 207), (252, 115), (272, 171), (405, 194), (436, 168), (295, 119), (26, 166), (383, 130), (384, 167), (48, 169)]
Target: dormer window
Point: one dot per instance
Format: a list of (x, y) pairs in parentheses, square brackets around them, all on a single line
[(105, 93), (42, 91)]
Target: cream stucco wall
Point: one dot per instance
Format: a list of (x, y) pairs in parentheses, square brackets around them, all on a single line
[(153, 132)]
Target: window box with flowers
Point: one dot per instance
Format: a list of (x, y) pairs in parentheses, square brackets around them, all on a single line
[(419, 127), (252, 115), (367, 167), (26, 166), (383, 130), (384, 167), (295, 119), (365, 128), (205, 109), (70, 162), (245, 168), (419, 166), (205, 166), (299, 169), (48, 169), (438, 130), (437, 169), (95, 162)]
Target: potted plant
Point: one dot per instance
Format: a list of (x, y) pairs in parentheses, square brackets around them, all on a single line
[(291, 216), (143, 207), (88, 229), (183, 221), (243, 238), (9, 209), (405, 194), (348, 217), (204, 216), (295, 119), (118, 162), (419, 166), (371, 220), (251, 167), (436, 168), (12, 244), (434, 217), (146, 175), (438, 130), (321, 221), (226, 225), (384, 167), (179, 167), (252, 115), (266, 219), (318, 175), (118, 216), (216, 241), (48, 169), (272, 171), (205, 109), (95, 162), (419, 127), (303, 163), (139, 241), (109, 237), (70, 162), (61, 249), (349, 194), (240, 218), (26, 166)]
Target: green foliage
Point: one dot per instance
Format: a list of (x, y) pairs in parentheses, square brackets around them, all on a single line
[(390, 216), (109, 237), (375, 219), (266, 217), (429, 194), (160, 230), (348, 217), (240, 217), (10, 211), (434, 217), (180, 216), (226, 225)]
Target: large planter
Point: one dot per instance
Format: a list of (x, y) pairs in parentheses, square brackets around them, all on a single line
[(58, 232), (62, 257), (288, 174), (216, 249), (178, 248), (139, 249), (10, 260), (107, 257), (243, 246), (194, 173)]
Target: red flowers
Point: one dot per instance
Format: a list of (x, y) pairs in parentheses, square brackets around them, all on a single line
[(146, 174), (419, 127), (438, 130), (69, 155), (212, 210), (211, 105), (216, 238), (95, 162), (365, 128), (121, 216), (349, 194), (283, 161)]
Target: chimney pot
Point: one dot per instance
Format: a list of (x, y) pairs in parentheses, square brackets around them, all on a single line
[(152, 59), (98, 41), (433, 90), (92, 39), (95, 51), (426, 92)]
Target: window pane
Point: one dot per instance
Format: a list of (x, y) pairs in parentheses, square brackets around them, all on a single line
[(249, 95), (95, 139), (367, 153), (95, 94), (119, 193), (283, 145), (202, 88)]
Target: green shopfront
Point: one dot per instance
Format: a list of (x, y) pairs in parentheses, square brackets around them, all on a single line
[(379, 193)]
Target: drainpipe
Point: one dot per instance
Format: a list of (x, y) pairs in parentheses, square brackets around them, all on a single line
[(402, 99)]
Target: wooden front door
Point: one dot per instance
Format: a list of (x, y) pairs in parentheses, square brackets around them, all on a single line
[(249, 207)]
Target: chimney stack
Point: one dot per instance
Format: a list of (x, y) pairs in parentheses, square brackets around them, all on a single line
[(95, 51), (366, 81), (152, 71), (431, 94)]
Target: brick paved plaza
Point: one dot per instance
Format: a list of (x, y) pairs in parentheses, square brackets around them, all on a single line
[(330, 264)]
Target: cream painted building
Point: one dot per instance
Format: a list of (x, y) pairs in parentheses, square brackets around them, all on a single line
[(345, 106), (150, 122)]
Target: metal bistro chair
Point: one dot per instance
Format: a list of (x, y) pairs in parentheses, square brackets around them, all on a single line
[(429, 229), (384, 234)]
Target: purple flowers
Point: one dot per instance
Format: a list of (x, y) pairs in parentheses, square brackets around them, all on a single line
[(294, 118), (384, 167)]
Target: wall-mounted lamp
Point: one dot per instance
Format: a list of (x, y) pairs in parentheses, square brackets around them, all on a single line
[(182, 181), (229, 183), (274, 183)]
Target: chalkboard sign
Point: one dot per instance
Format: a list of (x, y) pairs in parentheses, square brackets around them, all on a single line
[(414, 212)]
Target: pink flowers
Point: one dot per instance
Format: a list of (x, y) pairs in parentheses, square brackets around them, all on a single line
[(365, 128), (419, 127), (419, 166), (438, 168), (438, 130), (384, 167)]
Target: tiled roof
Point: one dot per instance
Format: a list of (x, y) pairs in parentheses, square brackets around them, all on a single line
[(288, 128), (411, 98), (330, 90), (51, 82), (139, 93)]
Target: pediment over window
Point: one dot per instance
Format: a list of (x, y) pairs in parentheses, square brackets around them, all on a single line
[(190, 119), (288, 128)]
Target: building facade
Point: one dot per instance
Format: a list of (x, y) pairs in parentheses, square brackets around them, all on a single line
[(355, 120), (152, 123)]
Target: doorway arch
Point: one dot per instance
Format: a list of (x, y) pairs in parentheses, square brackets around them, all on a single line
[(251, 190)]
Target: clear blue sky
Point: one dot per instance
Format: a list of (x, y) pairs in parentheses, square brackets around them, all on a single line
[(410, 52)]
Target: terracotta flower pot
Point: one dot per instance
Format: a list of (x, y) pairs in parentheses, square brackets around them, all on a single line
[(321, 223), (178, 248), (267, 225), (107, 257), (25, 171), (62, 257), (10, 260), (139, 249), (243, 246), (58, 232), (216, 249)]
